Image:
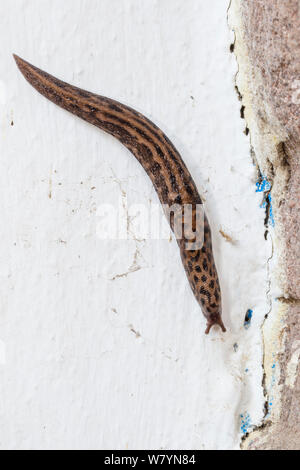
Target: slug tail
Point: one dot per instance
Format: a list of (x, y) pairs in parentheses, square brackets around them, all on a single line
[(108, 115), (83, 104)]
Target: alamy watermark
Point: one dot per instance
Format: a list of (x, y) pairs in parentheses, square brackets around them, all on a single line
[(120, 221)]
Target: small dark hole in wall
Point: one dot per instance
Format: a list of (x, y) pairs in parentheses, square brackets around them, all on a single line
[(246, 131), (12, 123), (231, 47), (242, 112), (248, 318)]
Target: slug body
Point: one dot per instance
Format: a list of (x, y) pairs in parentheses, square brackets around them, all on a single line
[(161, 161)]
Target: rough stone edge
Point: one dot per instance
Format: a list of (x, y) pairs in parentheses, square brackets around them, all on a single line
[(273, 151)]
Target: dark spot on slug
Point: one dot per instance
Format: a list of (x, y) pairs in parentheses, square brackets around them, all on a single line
[(205, 292), (91, 109), (189, 190), (196, 258), (116, 108)]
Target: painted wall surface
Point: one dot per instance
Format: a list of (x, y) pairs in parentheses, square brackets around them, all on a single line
[(102, 341)]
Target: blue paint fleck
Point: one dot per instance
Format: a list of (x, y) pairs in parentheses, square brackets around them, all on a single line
[(248, 319), (271, 215), (245, 422), (264, 186)]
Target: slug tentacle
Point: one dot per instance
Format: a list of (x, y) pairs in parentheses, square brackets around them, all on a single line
[(162, 162)]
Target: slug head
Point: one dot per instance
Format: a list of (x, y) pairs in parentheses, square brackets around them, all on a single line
[(214, 319)]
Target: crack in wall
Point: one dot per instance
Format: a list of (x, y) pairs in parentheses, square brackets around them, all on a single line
[(132, 269), (135, 266)]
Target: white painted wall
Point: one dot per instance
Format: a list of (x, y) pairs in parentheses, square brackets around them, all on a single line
[(73, 374)]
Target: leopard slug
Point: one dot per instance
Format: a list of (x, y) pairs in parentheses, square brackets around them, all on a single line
[(161, 161)]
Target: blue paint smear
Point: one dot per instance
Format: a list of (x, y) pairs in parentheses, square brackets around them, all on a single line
[(248, 319), (263, 186), (245, 422), (271, 215)]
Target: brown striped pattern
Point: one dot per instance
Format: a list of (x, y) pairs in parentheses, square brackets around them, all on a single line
[(159, 158)]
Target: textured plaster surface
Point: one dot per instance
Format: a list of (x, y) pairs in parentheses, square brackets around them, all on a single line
[(102, 343), (267, 47)]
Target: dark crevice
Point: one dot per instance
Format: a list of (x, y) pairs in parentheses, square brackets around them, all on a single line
[(268, 210), (289, 300), (264, 425), (284, 160), (238, 93), (253, 156), (283, 154), (264, 386)]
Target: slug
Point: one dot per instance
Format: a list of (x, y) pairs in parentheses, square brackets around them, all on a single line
[(163, 164)]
